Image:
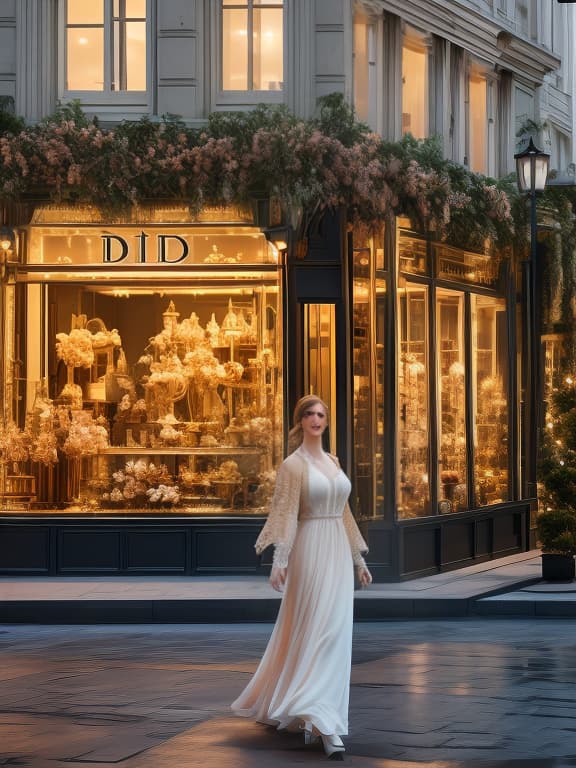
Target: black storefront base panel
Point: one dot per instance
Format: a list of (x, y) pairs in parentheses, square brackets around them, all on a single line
[(59, 545)]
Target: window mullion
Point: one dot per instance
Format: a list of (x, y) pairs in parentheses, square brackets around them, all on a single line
[(108, 47), (250, 35)]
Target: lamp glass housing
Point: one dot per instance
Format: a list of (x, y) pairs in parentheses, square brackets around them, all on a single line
[(532, 169)]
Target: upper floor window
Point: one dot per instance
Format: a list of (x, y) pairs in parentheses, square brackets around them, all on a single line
[(105, 45), (477, 123), (252, 45), (415, 87), (365, 86)]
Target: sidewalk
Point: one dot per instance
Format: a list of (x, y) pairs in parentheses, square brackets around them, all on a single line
[(508, 586)]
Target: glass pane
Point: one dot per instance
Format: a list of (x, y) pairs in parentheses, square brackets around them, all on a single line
[(85, 59), (413, 423), (268, 50), (234, 50), (82, 12), (136, 56), (380, 381), (414, 92), (320, 357), (363, 385), (490, 360), (412, 253), (468, 266), (453, 491), (478, 122), (361, 77), (135, 9), (177, 410)]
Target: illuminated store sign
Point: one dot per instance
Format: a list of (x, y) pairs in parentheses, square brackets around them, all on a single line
[(138, 245)]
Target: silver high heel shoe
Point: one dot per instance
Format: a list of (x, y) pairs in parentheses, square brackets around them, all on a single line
[(333, 746)]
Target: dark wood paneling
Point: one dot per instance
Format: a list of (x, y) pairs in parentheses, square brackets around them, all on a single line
[(507, 533), (457, 543), (152, 550), (483, 537), (25, 549), (419, 549), (89, 550), (224, 549)]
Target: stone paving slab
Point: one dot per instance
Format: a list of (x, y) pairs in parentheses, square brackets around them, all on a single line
[(463, 693), (232, 599)]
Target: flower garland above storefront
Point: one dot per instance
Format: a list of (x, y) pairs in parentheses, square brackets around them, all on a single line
[(328, 161)]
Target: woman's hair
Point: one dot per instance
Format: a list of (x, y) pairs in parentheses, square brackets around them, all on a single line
[(295, 435)]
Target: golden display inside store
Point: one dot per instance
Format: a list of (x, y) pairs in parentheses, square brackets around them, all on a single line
[(152, 358)]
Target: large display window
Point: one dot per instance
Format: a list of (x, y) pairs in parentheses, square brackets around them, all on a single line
[(491, 403), (413, 476), (153, 360)]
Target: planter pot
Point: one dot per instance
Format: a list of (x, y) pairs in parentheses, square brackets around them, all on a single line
[(558, 567)]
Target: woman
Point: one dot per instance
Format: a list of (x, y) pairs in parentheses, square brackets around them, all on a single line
[(303, 679)]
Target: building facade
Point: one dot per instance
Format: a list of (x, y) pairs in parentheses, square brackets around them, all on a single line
[(157, 354)]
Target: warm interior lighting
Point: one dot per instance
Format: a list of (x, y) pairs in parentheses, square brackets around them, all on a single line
[(281, 245), (7, 239)]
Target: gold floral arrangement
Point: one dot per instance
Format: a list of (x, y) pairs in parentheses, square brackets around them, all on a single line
[(227, 472), (75, 348), (142, 482), (86, 435), (14, 444)]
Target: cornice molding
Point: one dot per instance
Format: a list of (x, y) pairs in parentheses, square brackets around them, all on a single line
[(478, 33)]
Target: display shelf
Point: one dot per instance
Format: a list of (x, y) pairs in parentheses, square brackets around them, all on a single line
[(140, 450)]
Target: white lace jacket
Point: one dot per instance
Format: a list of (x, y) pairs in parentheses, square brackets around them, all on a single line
[(282, 523)]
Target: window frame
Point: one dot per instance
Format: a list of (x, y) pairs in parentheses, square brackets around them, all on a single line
[(224, 99), (107, 96)]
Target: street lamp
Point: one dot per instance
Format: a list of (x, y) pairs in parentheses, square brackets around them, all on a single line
[(532, 171)]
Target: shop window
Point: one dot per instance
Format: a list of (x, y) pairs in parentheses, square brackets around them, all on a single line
[(365, 94), (415, 88), (477, 123), (155, 384), (490, 388), (320, 358), (451, 391), (414, 414), (364, 449), (106, 43), (252, 47), (368, 371)]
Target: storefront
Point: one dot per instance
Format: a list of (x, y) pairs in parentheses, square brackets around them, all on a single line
[(150, 365), (145, 359)]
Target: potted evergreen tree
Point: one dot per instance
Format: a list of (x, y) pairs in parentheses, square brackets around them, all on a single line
[(556, 525), (557, 536)]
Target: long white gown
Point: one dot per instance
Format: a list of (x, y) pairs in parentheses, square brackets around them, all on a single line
[(304, 675)]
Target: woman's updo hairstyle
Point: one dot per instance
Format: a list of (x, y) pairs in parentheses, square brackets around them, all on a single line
[(295, 436)]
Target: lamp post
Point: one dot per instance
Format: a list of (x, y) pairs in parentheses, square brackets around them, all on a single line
[(532, 171)]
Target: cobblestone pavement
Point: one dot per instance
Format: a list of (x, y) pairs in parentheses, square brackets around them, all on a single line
[(473, 693)]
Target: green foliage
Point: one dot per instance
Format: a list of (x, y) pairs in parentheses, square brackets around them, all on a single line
[(331, 160), (9, 122), (336, 118), (556, 529)]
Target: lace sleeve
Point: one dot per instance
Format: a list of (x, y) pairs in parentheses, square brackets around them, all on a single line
[(282, 523), (357, 543)]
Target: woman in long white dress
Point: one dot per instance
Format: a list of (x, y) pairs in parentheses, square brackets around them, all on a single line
[(303, 679)]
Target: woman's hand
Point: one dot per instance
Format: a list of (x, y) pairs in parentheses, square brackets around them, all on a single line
[(364, 576), (278, 577)]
